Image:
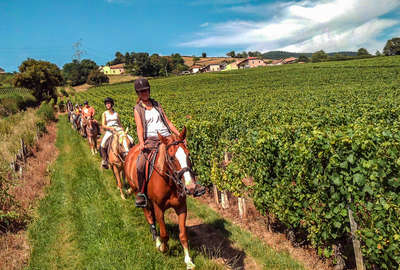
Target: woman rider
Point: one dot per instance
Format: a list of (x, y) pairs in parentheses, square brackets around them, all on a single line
[(110, 122), (150, 119)]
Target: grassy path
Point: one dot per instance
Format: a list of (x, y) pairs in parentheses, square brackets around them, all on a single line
[(83, 224)]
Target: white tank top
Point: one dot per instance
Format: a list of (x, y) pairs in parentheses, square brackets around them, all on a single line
[(111, 119), (154, 124)]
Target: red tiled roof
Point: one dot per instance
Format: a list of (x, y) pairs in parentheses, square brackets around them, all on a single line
[(118, 66)]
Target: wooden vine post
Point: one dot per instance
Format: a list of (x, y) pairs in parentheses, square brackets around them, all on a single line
[(224, 194), (356, 242), (215, 191), (242, 207)]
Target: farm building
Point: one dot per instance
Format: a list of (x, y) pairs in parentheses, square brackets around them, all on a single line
[(2, 71), (113, 70), (290, 60), (231, 66), (276, 62), (211, 68), (251, 62), (195, 68)]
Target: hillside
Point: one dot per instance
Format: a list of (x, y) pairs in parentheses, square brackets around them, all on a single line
[(282, 54)]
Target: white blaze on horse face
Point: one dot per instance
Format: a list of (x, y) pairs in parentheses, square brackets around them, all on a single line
[(182, 158)]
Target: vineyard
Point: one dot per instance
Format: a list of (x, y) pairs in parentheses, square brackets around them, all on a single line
[(316, 139)]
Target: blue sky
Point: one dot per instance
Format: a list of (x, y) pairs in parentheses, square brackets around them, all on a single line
[(47, 29)]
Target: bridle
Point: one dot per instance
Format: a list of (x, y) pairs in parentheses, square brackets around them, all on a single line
[(177, 175)]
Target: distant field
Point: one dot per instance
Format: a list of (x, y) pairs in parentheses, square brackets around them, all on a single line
[(120, 78), (314, 138), (6, 79)]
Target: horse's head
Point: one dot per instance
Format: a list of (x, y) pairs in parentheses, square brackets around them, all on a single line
[(178, 160), (122, 143)]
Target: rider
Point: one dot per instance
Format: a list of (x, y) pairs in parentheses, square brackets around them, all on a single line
[(110, 122), (88, 113), (150, 120)]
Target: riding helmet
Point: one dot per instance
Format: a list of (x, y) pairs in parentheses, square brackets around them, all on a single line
[(109, 100), (142, 84), (86, 102)]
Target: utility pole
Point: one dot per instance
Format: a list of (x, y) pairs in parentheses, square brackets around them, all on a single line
[(78, 50)]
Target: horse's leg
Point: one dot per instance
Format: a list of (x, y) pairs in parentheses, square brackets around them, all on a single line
[(149, 215), (182, 213), (117, 174), (163, 246)]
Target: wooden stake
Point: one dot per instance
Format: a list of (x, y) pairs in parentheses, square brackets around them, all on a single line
[(224, 200), (242, 207), (215, 191), (356, 242)]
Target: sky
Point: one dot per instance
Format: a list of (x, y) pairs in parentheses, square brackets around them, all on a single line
[(48, 29)]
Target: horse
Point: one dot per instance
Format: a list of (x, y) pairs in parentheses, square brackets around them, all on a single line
[(117, 151), (91, 133), (70, 109), (166, 188), (76, 121)]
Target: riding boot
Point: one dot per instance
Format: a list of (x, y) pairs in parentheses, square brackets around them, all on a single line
[(103, 153), (98, 131), (141, 199)]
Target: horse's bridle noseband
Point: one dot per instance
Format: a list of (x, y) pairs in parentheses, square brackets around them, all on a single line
[(177, 176)]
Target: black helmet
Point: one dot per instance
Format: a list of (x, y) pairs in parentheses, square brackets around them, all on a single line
[(109, 100), (142, 84), (86, 102)]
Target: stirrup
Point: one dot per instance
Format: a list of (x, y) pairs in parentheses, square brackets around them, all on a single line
[(144, 205), (199, 191)]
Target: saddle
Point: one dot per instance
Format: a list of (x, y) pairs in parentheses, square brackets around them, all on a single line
[(151, 149)]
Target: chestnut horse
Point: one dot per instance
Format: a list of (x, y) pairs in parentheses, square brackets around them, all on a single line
[(91, 132), (172, 178), (118, 150)]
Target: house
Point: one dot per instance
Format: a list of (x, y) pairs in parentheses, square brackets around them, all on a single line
[(276, 62), (251, 62), (113, 70), (290, 60), (211, 68), (231, 66), (195, 68), (2, 71)]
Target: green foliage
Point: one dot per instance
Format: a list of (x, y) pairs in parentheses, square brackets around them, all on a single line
[(362, 51), (303, 58), (316, 139), (40, 76), (392, 47), (319, 56), (77, 72), (97, 78), (13, 102), (203, 54), (46, 111)]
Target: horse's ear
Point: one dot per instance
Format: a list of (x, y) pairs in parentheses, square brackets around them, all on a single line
[(182, 136), (162, 139)]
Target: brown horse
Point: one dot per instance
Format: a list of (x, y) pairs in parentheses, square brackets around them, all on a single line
[(117, 151), (91, 132), (172, 178)]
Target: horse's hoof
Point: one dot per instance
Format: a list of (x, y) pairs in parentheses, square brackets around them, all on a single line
[(164, 247), (190, 265), (123, 196), (129, 191), (158, 242)]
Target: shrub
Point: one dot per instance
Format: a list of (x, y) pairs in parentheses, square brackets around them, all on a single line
[(46, 111), (97, 78)]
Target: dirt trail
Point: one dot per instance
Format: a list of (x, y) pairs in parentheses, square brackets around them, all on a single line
[(14, 246)]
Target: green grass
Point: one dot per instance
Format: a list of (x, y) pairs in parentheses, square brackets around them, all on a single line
[(83, 224)]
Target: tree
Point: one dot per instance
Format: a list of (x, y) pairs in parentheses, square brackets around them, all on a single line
[(204, 55), (40, 76), (77, 72), (303, 58), (378, 53), (392, 47), (231, 54), (362, 52), (96, 77), (319, 56)]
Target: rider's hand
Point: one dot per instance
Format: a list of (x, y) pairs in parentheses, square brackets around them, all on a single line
[(141, 146)]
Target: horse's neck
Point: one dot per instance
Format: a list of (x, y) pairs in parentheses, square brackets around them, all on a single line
[(160, 160)]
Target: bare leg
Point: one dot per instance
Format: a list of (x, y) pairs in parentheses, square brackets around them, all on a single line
[(163, 247), (182, 213)]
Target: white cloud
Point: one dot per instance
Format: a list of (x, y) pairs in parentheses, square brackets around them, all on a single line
[(304, 26), (204, 24)]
